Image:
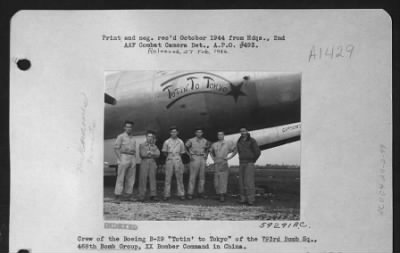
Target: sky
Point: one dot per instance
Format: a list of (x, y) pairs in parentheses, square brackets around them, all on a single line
[(288, 154)]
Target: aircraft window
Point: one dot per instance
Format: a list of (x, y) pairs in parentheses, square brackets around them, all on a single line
[(109, 99)]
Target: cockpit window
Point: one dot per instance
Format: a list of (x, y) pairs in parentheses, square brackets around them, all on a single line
[(109, 99)]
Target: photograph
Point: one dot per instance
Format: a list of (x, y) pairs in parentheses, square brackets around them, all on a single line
[(202, 145)]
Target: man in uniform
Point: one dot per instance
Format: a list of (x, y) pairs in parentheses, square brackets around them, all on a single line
[(125, 150), (249, 152), (148, 166), (197, 149), (173, 148), (219, 153)]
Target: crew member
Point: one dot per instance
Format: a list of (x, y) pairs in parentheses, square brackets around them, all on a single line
[(148, 167), (197, 149), (125, 150), (249, 152), (219, 153), (173, 148)]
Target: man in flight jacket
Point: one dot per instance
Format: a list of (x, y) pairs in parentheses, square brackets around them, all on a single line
[(249, 152)]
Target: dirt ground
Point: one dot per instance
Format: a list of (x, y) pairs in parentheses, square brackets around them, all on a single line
[(278, 198)]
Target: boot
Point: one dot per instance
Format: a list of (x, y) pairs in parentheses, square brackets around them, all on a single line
[(154, 198), (117, 199), (242, 202), (203, 196)]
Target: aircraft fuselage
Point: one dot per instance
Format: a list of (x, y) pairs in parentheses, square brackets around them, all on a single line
[(212, 100)]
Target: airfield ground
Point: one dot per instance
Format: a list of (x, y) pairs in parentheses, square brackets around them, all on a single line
[(278, 198)]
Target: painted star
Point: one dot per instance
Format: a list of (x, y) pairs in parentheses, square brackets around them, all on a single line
[(235, 91)]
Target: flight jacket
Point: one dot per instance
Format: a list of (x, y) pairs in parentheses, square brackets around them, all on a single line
[(248, 150)]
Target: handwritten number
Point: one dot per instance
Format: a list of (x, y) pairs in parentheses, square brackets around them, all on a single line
[(331, 52), (350, 49), (340, 52)]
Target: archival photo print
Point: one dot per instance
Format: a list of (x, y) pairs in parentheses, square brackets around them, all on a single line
[(202, 145)]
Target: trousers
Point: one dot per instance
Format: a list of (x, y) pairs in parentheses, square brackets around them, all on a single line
[(221, 176), (197, 169), (246, 182), (125, 175), (174, 165), (148, 169)]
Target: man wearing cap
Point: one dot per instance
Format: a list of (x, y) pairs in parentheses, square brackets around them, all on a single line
[(125, 150), (148, 166), (173, 148), (197, 149), (249, 152), (219, 152)]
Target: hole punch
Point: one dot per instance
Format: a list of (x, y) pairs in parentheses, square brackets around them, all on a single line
[(23, 64), (24, 251)]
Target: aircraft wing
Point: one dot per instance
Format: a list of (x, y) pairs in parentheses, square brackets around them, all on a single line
[(272, 137)]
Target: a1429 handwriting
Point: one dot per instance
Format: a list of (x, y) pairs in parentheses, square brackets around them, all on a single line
[(331, 52)]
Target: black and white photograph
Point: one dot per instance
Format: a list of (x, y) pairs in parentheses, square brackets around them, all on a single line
[(202, 145)]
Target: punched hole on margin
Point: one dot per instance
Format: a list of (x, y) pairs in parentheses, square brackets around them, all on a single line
[(23, 64)]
